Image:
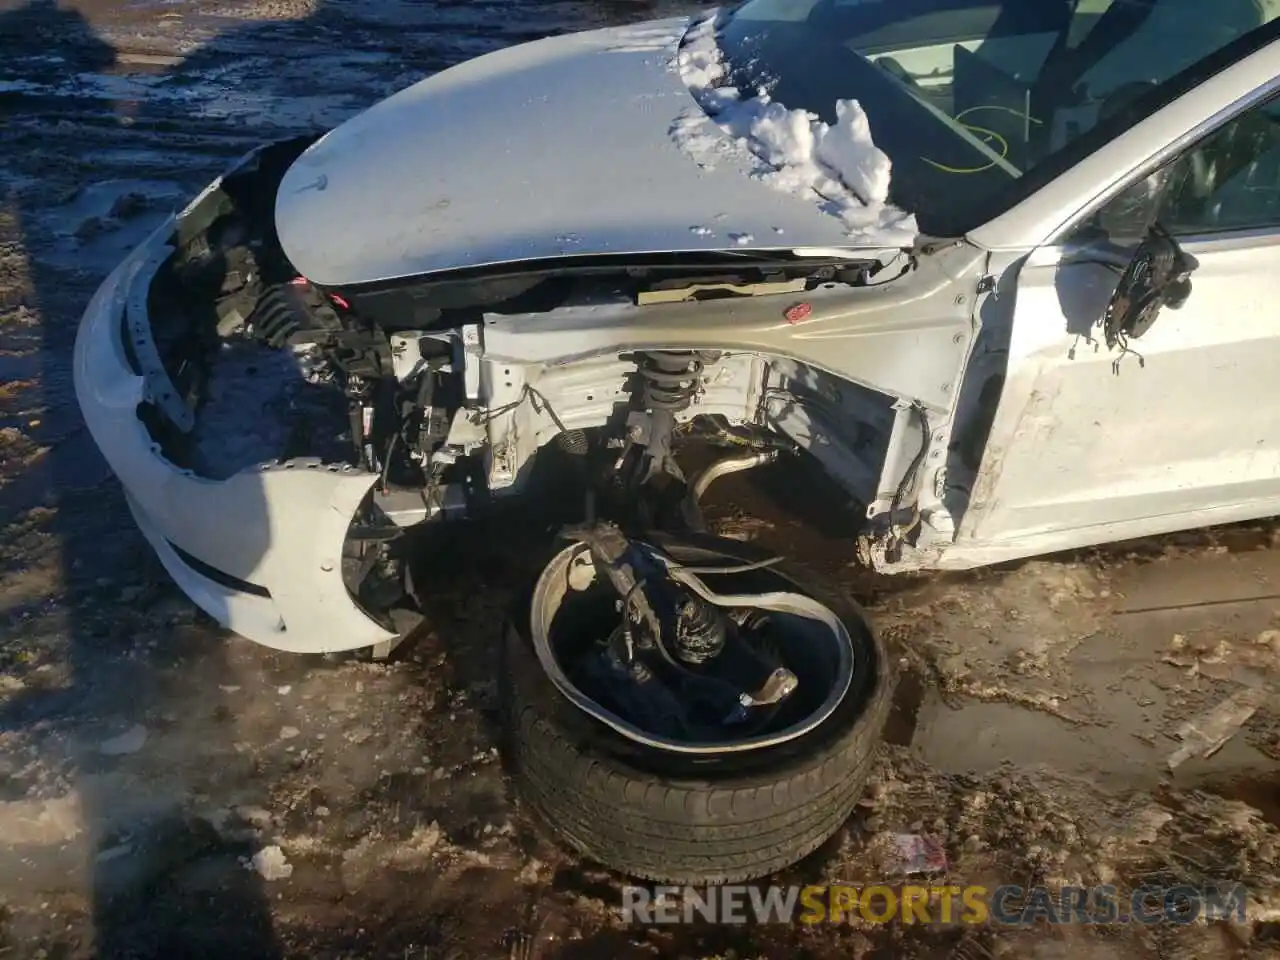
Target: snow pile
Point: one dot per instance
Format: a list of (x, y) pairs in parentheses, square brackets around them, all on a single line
[(847, 149), (700, 60), (793, 150), (270, 864)]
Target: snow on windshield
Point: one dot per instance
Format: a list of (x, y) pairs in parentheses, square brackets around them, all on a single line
[(791, 150)]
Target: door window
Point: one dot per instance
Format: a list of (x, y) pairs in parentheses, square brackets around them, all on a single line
[(1228, 181)]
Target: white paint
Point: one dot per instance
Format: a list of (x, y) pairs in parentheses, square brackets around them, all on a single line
[(1080, 455), (504, 157), (265, 527)]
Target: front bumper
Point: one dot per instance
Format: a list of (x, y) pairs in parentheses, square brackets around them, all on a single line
[(261, 551)]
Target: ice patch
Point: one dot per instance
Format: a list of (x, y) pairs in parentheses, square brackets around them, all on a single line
[(836, 165), (131, 741), (102, 222)]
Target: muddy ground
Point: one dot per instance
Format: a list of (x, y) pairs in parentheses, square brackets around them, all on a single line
[(168, 790)]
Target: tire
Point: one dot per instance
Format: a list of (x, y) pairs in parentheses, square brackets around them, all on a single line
[(672, 819)]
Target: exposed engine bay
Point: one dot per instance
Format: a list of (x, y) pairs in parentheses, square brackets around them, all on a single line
[(446, 387)]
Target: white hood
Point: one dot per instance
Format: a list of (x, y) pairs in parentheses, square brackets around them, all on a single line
[(562, 147)]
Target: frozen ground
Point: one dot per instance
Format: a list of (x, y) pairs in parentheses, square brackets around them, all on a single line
[(169, 791)]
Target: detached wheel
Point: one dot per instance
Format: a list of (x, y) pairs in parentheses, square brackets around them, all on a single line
[(683, 816)]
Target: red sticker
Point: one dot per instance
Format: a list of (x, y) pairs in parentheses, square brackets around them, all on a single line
[(797, 313)]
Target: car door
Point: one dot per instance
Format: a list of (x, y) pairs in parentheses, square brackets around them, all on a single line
[(1183, 428)]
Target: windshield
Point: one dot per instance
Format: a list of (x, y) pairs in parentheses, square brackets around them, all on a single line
[(978, 102)]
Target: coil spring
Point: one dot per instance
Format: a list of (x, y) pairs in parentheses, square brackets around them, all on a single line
[(669, 378)]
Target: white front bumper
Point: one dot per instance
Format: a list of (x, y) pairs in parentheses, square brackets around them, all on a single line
[(266, 543)]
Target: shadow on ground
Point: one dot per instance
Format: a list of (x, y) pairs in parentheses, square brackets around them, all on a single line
[(163, 882)]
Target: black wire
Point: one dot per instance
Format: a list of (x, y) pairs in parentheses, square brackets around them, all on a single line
[(527, 392), (909, 477), (536, 396), (480, 419), (386, 463)]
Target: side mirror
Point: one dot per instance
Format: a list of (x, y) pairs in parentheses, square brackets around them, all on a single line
[(1158, 276)]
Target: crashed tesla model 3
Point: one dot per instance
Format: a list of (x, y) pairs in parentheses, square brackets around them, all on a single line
[(1005, 271)]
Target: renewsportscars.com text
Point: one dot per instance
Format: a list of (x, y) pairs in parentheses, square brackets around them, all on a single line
[(1005, 905)]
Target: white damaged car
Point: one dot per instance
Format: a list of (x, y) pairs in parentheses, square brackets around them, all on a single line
[(1001, 269)]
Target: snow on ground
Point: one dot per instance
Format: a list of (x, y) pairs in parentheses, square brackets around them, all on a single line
[(839, 165)]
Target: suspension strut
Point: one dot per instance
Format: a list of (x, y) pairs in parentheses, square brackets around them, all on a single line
[(669, 379), (667, 383)]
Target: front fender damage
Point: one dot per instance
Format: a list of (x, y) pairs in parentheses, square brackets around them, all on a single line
[(889, 356), (439, 394)]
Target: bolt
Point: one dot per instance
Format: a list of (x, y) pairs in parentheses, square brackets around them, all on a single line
[(326, 566), (959, 299), (958, 338), (946, 388)]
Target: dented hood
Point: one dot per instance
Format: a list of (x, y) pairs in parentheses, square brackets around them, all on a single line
[(562, 147)]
